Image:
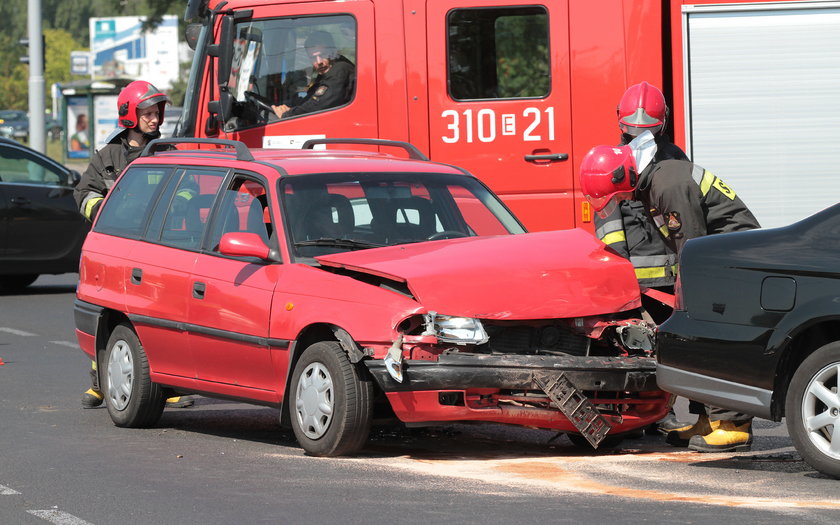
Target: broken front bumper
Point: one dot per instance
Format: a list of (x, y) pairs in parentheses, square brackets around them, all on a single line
[(506, 389)]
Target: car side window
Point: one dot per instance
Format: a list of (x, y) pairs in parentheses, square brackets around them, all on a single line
[(280, 62), (182, 214), (128, 204), (243, 207), (18, 166), (488, 58)]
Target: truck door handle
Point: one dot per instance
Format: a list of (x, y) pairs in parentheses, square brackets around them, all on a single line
[(550, 157), (21, 201), (136, 275), (198, 290)]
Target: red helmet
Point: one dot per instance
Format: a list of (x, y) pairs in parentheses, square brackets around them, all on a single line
[(138, 95), (605, 172), (642, 107)]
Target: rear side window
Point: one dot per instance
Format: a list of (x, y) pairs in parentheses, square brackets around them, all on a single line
[(127, 206), (182, 215), (500, 52)]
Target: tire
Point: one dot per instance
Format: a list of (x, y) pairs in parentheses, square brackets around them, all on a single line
[(813, 399), (331, 406), (16, 283), (132, 399)]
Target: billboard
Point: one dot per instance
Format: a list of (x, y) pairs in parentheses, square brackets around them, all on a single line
[(119, 49)]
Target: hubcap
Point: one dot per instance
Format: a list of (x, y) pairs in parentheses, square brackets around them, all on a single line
[(120, 375), (821, 411), (314, 400)]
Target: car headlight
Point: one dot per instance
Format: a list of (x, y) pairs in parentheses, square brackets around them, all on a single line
[(458, 330)]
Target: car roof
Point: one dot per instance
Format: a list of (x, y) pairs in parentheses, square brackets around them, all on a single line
[(295, 161)]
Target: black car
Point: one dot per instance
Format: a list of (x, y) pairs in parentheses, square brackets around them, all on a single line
[(757, 329), (41, 230)]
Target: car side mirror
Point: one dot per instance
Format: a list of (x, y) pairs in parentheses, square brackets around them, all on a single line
[(243, 244), (73, 178)]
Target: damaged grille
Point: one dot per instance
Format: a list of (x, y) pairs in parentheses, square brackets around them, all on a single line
[(548, 339)]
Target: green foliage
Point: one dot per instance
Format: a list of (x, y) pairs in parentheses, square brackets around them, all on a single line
[(66, 28)]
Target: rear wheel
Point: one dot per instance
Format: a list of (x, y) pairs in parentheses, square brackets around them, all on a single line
[(812, 409), (131, 397), (330, 403)]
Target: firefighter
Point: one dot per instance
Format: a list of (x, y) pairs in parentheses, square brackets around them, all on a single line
[(629, 231), (687, 201), (140, 108), (334, 82)]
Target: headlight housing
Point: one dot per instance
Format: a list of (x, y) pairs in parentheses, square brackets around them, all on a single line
[(458, 330)]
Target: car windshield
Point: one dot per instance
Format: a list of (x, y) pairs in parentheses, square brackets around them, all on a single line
[(330, 213)]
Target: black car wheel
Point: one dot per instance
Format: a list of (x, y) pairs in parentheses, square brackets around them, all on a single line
[(16, 283), (330, 404), (812, 409), (131, 397)]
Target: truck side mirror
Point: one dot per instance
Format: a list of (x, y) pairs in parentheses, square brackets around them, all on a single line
[(223, 51), (191, 34)]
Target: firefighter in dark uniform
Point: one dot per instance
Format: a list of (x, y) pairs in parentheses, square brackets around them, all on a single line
[(334, 82), (689, 202), (140, 107), (629, 231)]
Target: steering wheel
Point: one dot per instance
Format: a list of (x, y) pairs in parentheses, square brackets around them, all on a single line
[(259, 101), (446, 234)]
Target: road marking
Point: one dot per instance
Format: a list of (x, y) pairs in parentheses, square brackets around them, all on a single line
[(15, 332), (58, 517), (6, 491), (65, 343)]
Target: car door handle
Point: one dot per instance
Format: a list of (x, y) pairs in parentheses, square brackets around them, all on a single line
[(198, 290), (551, 157), (136, 275), (21, 201)]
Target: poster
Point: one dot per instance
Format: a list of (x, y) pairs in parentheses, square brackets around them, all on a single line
[(78, 124)]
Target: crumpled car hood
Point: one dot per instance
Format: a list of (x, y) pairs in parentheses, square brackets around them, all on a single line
[(547, 275)]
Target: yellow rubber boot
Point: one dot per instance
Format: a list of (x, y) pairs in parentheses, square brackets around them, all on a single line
[(729, 436), (179, 402), (92, 398), (680, 438)]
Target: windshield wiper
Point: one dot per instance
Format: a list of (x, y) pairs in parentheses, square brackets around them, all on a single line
[(353, 244)]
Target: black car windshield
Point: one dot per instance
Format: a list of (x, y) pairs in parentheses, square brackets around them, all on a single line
[(338, 212)]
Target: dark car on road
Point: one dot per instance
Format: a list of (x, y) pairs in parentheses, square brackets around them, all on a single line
[(41, 230), (14, 124), (756, 328)]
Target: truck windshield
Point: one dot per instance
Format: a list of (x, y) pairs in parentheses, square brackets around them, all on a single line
[(331, 213)]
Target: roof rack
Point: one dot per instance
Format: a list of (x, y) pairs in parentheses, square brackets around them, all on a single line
[(242, 151), (413, 152)]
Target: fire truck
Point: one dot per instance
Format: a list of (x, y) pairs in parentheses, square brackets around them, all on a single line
[(517, 92)]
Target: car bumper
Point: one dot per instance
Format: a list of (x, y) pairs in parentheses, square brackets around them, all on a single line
[(502, 388)]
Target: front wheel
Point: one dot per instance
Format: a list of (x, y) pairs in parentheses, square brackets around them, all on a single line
[(131, 397), (330, 404), (812, 409)]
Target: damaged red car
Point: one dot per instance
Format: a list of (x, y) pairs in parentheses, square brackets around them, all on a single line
[(333, 284)]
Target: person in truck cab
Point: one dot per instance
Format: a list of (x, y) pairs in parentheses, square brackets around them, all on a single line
[(629, 231), (140, 107), (688, 201), (334, 79)]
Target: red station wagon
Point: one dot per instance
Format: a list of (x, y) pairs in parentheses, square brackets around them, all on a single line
[(335, 283)]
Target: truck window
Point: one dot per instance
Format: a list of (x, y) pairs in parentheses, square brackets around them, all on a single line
[(301, 64), (489, 56)]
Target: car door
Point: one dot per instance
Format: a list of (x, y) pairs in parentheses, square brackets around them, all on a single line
[(40, 215), (500, 102), (230, 303)]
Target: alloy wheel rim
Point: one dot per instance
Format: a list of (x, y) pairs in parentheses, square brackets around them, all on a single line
[(821, 410)]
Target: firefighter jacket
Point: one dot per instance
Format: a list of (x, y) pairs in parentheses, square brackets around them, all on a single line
[(633, 234), (690, 202), (333, 88)]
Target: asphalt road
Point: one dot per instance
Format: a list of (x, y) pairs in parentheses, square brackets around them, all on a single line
[(222, 463)]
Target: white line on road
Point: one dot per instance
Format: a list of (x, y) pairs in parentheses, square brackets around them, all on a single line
[(58, 517), (6, 491), (65, 343), (15, 332)]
